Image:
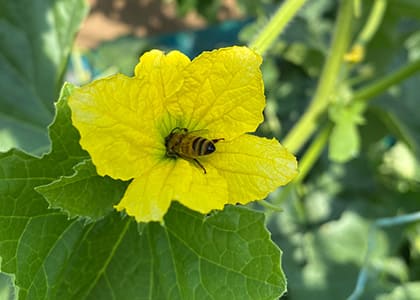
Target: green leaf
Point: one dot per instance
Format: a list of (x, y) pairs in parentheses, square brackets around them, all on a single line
[(65, 147), (400, 163), (226, 255), (324, 232), (36, 39), (84, 193), (350, 229), (410, 8), (408, 291), (79, 191), (206, 8), (324, 262), (399, 112), (344, 141), (308, 58), (20, 173), (8, 290), (107, 56)]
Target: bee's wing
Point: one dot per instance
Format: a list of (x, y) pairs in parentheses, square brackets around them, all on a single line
[(205, 133), (200, 132)]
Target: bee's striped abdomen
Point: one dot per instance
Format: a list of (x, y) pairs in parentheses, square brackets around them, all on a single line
[(202, 146), (181, 143)]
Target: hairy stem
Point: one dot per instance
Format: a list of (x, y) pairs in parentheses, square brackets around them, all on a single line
[(276, 25), (373, 22), (383, 84), (313, 153), (308, 123)]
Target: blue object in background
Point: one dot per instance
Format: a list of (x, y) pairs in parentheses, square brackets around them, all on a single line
[(121, 55), (194, 42)]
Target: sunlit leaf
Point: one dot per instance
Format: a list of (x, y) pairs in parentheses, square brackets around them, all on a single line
[(7, 287), (409, 290), (226, 255), (84, 193), (36, 39), (344, 141)]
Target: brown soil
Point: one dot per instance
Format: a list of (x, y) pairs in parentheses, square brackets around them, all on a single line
[(109, 19)]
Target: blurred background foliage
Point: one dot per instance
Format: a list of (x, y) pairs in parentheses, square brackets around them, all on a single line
[(368, 168)]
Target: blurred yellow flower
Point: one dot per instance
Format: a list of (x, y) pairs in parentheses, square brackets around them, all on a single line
[(178, 129), (356, 54)]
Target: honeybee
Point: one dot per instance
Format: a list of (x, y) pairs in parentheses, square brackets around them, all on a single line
[(184, 144)]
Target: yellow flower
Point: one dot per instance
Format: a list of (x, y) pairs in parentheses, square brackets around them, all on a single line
[(126, 123)]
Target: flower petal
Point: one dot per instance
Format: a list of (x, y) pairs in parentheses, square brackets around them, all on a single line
[(253, 167), (163, 75), (148, 197), (163, 72), (223, 92), (115, 119)]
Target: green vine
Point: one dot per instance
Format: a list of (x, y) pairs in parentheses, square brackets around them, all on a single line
[(373, 22), (308, 123), (313, 152), (276, 25), (381, 85)]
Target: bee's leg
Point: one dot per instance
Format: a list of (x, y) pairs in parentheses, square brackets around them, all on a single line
[(178, 129), (216, 140), (201, 166)]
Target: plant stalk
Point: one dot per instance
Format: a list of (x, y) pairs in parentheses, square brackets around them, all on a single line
[(276, 25), (386, 82), (313, 152), (308, 123)]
